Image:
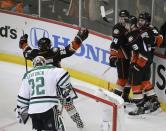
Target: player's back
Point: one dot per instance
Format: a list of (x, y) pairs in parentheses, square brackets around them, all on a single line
[(53, 55), (42, 83)]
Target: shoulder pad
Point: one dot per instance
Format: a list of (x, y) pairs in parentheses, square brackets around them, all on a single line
[(118, 29)]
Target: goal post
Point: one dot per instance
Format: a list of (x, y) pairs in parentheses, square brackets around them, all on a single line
[(100, 99)]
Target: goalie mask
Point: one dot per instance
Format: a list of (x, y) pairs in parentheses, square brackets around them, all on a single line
[(44, 44), (39, 61)]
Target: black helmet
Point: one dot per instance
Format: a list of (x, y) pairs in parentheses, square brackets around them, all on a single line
[(141, 16), (44, 44), (145, 16), (132, 20), (124, 13), (131, 23)]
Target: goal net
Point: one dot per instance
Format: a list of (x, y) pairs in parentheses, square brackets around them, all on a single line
[(98, 109)]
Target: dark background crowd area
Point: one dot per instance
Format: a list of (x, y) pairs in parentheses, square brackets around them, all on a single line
[(68, 11)]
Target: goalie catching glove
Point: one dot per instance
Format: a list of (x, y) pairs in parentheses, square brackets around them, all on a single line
[(79, 38), (23, 42)]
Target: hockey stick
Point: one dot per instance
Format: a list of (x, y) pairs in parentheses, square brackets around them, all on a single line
[(103, 74), (104, 14), (62, 101), (26, 65), (106, 70)]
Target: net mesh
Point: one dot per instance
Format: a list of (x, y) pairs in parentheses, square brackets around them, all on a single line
[(96, 106)]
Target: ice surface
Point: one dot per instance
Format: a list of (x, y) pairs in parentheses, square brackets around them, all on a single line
[(10, 79)]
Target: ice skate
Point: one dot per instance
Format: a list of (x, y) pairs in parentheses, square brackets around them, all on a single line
[(140, 107), (152, 104), (140, 110)]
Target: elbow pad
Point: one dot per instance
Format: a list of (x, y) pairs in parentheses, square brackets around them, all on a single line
[(75, 45)]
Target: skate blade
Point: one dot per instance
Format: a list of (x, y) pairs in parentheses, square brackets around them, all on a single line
[(146, 115), (156, 112), (141, 116)]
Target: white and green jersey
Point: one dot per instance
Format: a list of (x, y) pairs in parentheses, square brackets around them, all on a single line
[(42, 87)]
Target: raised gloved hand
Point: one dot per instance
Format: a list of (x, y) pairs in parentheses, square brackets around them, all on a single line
[(81, 35), (23, 41), (112, 61), (79, 38)]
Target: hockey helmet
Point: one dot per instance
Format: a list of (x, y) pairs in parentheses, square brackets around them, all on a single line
[(124, 13), (144, 19), (39, 61), (148, 17), (145, 16), (131, 22), (44, 44)]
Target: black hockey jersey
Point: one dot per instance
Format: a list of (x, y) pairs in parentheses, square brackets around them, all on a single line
[(53, 56), (120, 41), (140, 52), (149, 35)]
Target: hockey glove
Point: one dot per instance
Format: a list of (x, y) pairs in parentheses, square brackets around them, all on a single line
[(22, 115), (79, 38), (112, 61), (23, 41), (81, 35)]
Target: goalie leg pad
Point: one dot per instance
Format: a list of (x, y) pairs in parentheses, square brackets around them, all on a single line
[(71, 110), (77, 119)]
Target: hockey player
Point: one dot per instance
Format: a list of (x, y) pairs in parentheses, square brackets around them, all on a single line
[(42, 90), (139, 68), (152, 39), (54, 56), (144, 24), (119, 56)]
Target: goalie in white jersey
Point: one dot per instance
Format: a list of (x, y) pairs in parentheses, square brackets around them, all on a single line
[(41, 94)]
